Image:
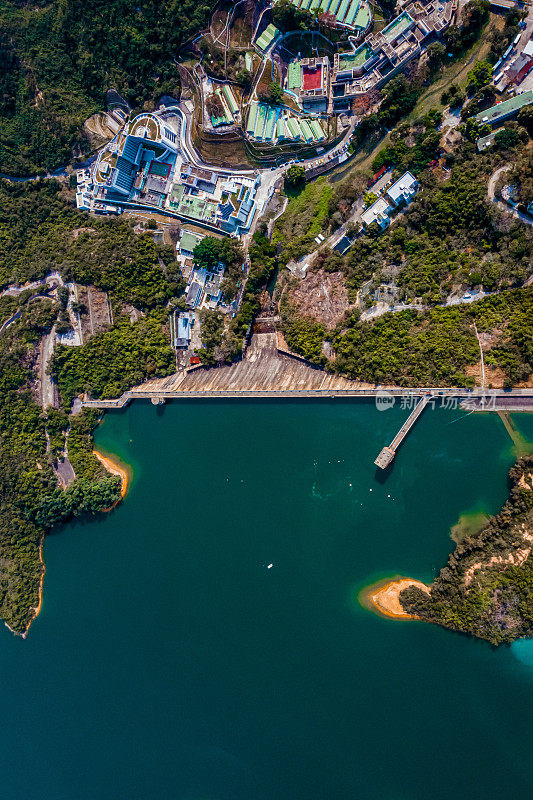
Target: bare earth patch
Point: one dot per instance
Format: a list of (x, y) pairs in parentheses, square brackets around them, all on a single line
[(322, 296), (516, 558)]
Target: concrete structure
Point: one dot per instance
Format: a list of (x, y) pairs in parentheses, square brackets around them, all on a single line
[(399, 194), (182, 329), (308, 79), (403, 191), (378, 212), (137, 163), (387, 454)]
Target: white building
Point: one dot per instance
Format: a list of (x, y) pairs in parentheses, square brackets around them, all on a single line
[(403, 190), (378, 212), (84, 189)]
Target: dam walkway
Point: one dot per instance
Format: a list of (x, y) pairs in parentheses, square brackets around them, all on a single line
[(269, 370)]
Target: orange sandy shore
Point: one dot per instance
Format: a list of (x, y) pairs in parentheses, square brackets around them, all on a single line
[(37, 609), (115, 469), (384, 597)]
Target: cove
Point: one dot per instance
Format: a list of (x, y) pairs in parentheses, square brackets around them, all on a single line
[(169, 662)]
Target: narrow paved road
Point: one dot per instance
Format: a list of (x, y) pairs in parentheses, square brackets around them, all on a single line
[(503, 206)]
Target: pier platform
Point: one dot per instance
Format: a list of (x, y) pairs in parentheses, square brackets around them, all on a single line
[(387, 454)]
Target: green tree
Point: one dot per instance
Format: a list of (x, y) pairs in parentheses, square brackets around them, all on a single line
[(479, 76), (294, 176), (506, 139), (288, 17), (525, 118), (369, 198), (244, 79), (272, 94)]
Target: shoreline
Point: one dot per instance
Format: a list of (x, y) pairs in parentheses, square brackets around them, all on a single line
[(383, 598), (38, 607), (115, 469)]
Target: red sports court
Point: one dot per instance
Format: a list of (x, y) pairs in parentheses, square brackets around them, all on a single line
[(312, 78)]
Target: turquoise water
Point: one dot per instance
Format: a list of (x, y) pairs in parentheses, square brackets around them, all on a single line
[(170, 662)]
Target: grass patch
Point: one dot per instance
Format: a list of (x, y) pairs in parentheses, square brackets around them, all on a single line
[(306, 216), (458, 70)]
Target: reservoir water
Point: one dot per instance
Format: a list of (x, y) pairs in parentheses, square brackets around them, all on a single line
[(170, 662)]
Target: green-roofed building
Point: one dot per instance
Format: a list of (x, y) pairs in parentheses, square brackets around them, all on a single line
[(267, 37), (501, 111), (352, 12), (197, 208), (294, 128), (294, 75), (252, 117), (227, 115), (324, 5), (260, 122), (270, 124), (316, 127), (341, 13), (307, 133), (314, 5), (362, 19), (334, 5), (232, 103), (248, 62), (188, 242), (280, 129)]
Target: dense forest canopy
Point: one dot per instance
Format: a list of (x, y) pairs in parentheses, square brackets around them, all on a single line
[(58, 58), (40, 232), (485, 589)]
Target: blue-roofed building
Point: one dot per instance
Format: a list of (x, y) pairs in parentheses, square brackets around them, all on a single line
[(141, 143)]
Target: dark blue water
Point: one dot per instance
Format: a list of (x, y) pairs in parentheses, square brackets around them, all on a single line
[(169, 662)]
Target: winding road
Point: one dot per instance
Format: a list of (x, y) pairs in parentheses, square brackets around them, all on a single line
[(501, 205)]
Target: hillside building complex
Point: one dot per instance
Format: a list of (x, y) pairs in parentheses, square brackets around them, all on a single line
[(382, 55), (270, 124), (144, 168), (352, 14), (321, 85)]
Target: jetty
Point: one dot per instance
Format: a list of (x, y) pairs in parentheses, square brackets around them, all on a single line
[(387, 454)]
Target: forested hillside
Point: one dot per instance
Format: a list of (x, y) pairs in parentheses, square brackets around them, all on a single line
[(485, 589), (39, 233), (58, 58)]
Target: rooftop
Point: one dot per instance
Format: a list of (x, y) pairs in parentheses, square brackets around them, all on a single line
[(188, 241), (505, 109), (378, 212), (405, 186), (312, 78)]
